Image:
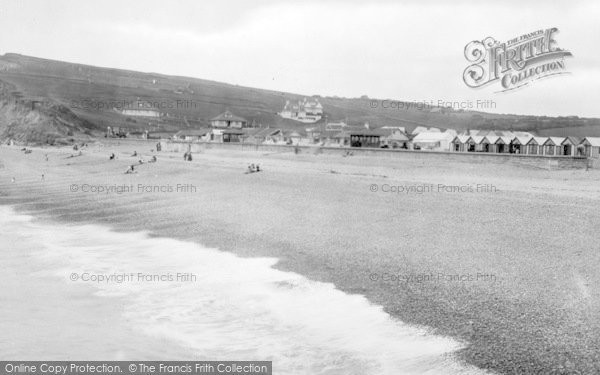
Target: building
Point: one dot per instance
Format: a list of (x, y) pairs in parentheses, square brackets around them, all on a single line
[(262, 135), (591, 146), (458, 143), (418, 130), (295, 137), (228, 135), (396, 139), (193, 135), (228, 120), (570, 147), (366, 137), (394, 128), (552, 146), (518, 144), (535, 146), (307, 111), (140, 109), (432, 140)]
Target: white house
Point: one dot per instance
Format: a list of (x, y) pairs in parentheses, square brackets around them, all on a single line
[(306, 111), (432, 140)]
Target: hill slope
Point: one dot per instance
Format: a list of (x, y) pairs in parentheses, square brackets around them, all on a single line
[(89, 94)]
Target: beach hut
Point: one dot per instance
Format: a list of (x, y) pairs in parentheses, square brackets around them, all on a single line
[(473, 143), (432, 140), (518, 143), (569, 146), (535, 146), (396, 139), (490, 143), (552, 146), (459, 142), (591, 146), (501, 144)]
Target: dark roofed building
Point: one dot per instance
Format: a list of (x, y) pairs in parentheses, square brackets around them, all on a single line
[(367, 137), (228, 120)]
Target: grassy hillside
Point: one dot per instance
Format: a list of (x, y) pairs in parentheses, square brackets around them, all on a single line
[(90, 93)]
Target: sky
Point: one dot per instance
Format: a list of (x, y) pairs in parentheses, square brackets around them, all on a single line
[(398, 50)]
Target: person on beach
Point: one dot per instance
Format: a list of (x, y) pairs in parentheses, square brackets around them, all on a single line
[(46, 157), (153, 160), (43, 177), (134, 153), (257, 168), (130, 170), (112, 156)]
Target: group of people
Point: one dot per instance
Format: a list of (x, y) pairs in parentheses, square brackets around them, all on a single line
[(253, 168), (131, 168)]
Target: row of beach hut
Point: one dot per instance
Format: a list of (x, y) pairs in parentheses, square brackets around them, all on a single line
[(527, 144)]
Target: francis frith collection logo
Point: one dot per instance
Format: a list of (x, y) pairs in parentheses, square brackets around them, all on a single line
[(514, 63)]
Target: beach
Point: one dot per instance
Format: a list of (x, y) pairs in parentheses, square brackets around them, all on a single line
[(499, 260)]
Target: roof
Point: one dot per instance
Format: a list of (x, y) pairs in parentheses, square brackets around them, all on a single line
[(572, 140), (557, 141), (400, 128), (228, 116), (491, 139), (538, 140), (261, 132), (521, 140), (592, 141), (429, 136), (369, 132), (418, 130), (477, 139), (450, 131), (234, 131), (397, 136), (193, 132), (462, 138), (293, 133), (523, 134), (342, 134)]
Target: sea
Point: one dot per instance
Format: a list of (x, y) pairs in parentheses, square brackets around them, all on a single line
[(89, 292)]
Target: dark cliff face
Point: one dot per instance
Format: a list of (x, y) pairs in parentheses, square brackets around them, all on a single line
[(39, 122)]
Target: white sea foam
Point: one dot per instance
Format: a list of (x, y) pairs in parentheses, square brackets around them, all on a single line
[(237, 308)]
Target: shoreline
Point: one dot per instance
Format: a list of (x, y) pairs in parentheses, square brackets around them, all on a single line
[(340, 232)]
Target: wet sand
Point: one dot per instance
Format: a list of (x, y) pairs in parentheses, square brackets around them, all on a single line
[(519, 281)]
